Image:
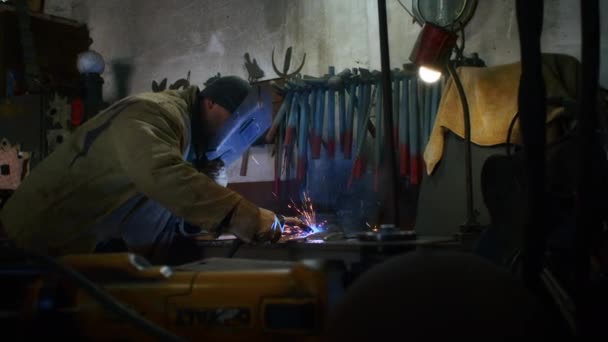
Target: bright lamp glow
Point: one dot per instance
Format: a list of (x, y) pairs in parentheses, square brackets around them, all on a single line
[(429, 75)]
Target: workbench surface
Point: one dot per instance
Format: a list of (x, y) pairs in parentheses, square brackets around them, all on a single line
[(346, 249)]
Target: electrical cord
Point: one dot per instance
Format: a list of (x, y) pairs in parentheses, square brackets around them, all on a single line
[(510, 131), (100, 295), (567, 103), (410, 13), (235, 247)]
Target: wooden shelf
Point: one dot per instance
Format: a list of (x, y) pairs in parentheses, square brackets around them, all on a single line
[(43, 16), (57, 43)]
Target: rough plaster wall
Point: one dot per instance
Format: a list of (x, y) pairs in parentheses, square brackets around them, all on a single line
[(167, 38), (344, 33), (205, 37), (493, 31)]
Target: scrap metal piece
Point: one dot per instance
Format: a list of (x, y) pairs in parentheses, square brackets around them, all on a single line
[(158, 87), (60, 111), (14, 165), (56, 137), (286, 64), (253, 69), (181, 83)]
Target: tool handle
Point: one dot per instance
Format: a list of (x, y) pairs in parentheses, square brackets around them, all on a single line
[(404, 128), (396, 107), (279, 117), (331, 123), (303, 136), (350, 120), (342, 115), (317, 123)]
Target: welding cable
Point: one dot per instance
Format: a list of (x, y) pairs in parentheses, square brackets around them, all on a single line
[(234, 248), (567, 103), (510, 131), (105, 299)]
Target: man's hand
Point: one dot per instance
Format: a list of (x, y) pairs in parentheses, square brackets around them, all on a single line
[(294, 221), (270, 228)]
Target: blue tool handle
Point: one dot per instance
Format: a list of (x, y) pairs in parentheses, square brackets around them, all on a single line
[(342, 113), (364, 117), (331, 113), (292, 119), (352, 104), (303, 126), (379, 125), (320, 111)]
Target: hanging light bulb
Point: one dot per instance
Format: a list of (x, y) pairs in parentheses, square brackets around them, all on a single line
[(428, 75), (90, 62)]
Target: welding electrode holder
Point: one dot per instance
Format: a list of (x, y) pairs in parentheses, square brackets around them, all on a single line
[(281, 220)]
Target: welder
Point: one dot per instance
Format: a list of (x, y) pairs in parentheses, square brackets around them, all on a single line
[(136, 172)]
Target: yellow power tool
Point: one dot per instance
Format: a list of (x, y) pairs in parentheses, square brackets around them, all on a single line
[(218, 299)]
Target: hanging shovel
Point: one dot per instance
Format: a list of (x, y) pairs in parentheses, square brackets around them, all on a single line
[(317, 131), (278, 119), (339, 83), (290, 134), (361, 159), (350, 117), (303, 136), (278, 160), (379, 136), (331, 117)]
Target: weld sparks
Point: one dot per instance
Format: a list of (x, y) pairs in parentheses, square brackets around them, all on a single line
[(307, 213), (373, 228)]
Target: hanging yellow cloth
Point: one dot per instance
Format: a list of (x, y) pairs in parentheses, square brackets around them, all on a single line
[(492, 94)]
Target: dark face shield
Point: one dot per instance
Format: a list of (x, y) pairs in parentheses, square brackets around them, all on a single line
[(247, 124)]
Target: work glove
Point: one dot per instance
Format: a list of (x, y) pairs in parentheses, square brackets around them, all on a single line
[(270, 227), (216, 170)]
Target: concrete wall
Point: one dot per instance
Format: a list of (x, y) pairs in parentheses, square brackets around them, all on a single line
[(344, 33), (168, 38), (148, 40)]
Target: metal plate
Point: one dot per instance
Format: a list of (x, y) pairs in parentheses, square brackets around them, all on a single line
[(387, 236)]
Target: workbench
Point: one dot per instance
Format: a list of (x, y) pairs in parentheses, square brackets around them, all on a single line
[(348, 250)]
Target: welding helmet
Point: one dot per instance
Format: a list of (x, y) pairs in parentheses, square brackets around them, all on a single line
[(248, 122)]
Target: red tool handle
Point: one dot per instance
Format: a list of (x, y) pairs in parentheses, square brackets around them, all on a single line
[(301, 168), (404, 158), (358, 169), (77, 117), (416, 171), (331, 148), (348, 144)]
